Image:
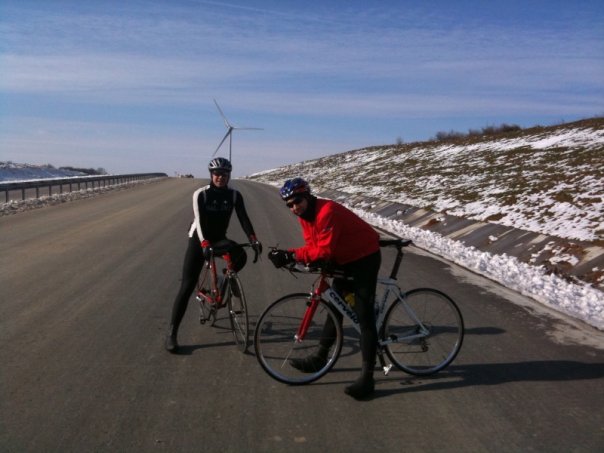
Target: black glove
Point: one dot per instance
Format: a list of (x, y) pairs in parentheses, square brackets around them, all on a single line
[(281, 258), (207, 249)]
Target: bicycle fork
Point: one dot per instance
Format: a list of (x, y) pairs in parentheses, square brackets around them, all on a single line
[(313, 303)]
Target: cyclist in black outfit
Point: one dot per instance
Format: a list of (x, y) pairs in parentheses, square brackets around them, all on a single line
[(213, 206)]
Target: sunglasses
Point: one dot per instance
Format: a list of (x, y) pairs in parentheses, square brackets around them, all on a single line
[(220, 173), (294, 201)]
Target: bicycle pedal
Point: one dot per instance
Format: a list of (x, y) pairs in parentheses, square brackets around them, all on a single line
[(387, 369)]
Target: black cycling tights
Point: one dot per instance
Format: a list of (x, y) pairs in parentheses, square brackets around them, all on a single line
[(365, 273), (190, 273), (191, 268)]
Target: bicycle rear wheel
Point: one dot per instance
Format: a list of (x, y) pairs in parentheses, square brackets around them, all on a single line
[(423, 331), (276, 346), (237, 307)]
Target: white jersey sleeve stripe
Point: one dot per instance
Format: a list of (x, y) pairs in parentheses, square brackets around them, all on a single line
[(196, 225)]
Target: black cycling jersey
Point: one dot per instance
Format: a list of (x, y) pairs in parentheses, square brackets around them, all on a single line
[(213, 208)]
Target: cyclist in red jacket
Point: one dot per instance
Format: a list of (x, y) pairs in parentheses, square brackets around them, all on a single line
[(335, 234)]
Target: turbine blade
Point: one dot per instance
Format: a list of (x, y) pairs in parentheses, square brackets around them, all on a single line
[(226, 122), (222, 141)]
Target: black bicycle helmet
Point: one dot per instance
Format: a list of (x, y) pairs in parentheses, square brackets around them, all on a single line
[(293, 187), (220, 163)]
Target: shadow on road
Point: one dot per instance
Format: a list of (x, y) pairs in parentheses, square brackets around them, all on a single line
[(456, 376)]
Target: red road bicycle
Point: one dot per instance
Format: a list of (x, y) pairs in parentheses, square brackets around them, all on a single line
[(221, 288)]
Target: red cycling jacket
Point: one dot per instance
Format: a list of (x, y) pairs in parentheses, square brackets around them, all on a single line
[(336, 234)]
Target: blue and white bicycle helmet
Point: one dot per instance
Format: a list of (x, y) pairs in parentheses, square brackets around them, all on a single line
[(293, 187), (221, 164)]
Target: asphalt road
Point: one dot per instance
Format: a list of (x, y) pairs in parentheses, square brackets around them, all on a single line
[(86, 290)]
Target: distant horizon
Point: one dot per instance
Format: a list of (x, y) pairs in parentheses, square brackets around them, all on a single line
[(450, 137), (431, 139)]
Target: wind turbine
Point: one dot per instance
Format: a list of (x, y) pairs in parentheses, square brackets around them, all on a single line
[(230, 129)]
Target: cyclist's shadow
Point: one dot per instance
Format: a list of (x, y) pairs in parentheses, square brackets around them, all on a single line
[(456, 376), (220, 328), (189, 349)]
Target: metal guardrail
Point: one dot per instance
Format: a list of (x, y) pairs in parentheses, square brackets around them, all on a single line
[(56, 185)]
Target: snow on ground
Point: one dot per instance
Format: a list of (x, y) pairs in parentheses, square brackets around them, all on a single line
[(550, 181), (16, 206), (16, 172), (577, 300)]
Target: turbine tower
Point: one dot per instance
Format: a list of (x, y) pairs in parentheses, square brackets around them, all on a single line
[(230, 129)]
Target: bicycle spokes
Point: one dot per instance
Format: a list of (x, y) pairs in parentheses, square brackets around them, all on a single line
[(207, 311), (279, 347), (237, 306), (423, 331)]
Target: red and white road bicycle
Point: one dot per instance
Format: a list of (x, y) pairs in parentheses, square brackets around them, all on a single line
[(421, 331)]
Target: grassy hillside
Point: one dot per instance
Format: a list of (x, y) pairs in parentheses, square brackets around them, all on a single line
[(543, 179)]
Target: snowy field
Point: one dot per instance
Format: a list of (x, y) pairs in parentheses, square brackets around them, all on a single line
[(550, 181), (16, 206), (576, 300)]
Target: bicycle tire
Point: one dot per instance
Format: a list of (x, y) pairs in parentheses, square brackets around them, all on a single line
[(445, 331), (237, 306), (275, 344)]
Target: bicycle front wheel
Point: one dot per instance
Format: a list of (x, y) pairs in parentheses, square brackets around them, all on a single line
[(237, 307), (278, 350), (423, 331)]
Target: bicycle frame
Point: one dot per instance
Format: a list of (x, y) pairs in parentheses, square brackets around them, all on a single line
[(214, 297), (392, 288), (322, 290)]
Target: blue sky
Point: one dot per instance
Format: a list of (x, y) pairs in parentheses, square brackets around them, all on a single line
[(129, 85)]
